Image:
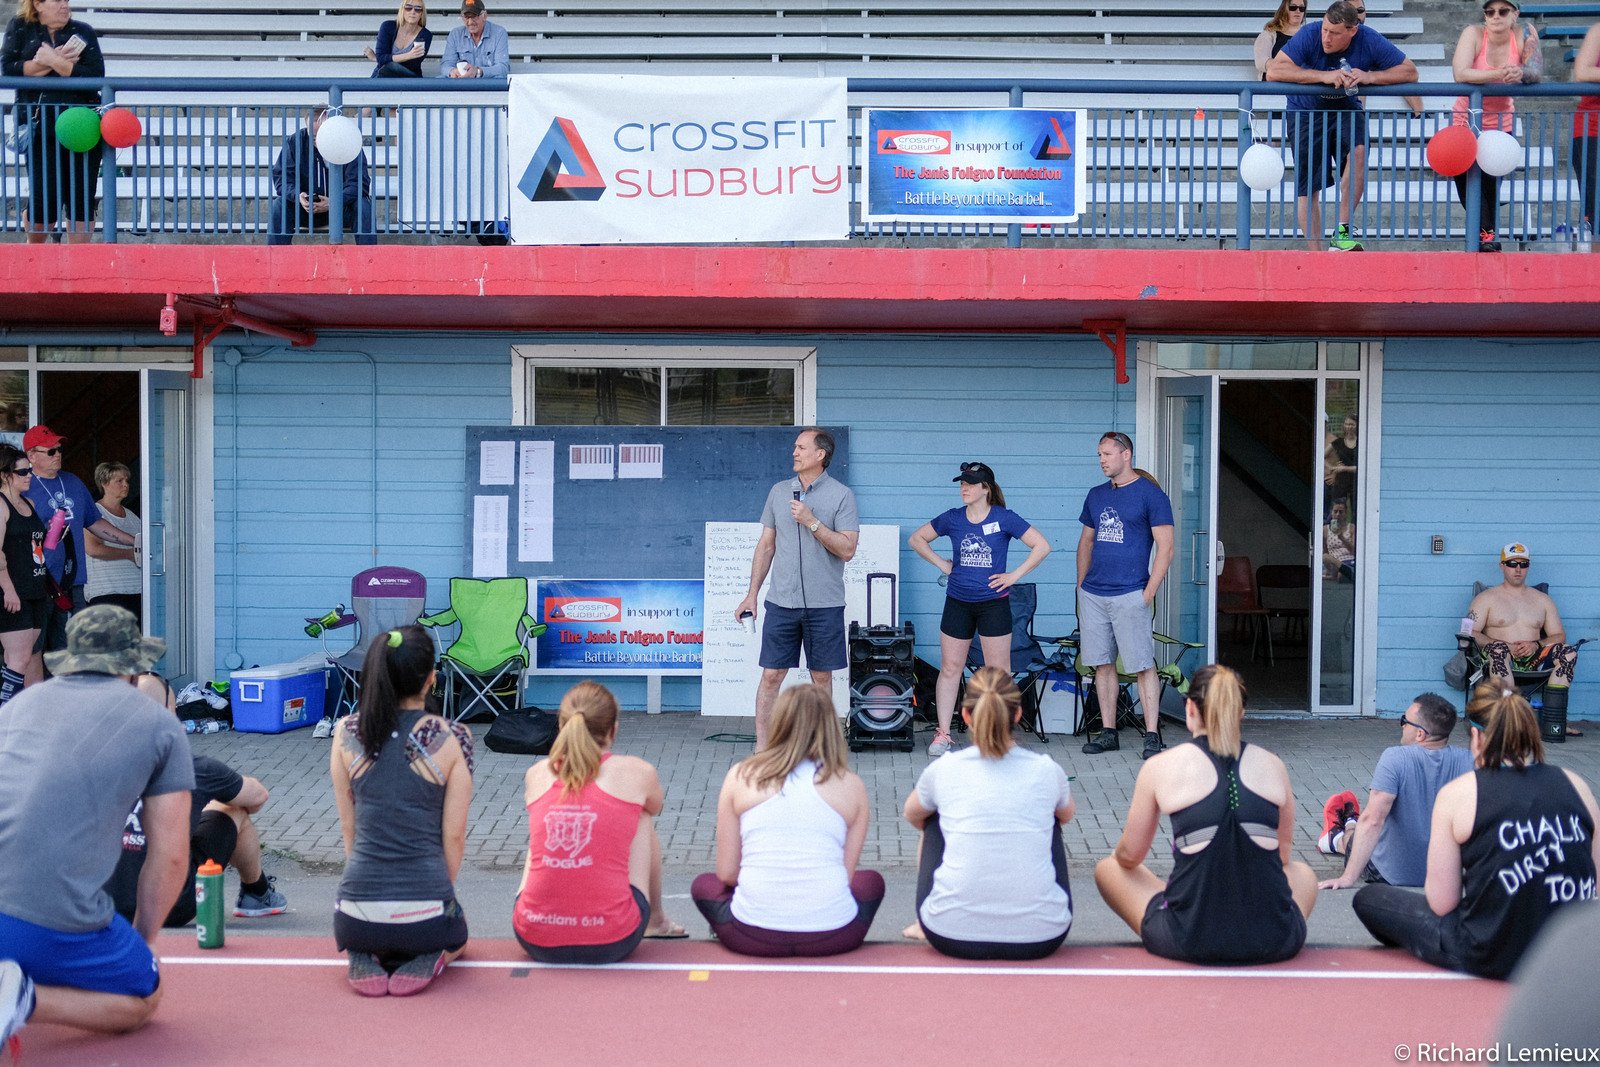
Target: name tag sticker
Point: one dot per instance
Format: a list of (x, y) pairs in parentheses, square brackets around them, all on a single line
[(991, 527)]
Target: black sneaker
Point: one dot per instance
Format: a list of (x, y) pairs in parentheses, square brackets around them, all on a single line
[(1102, 741), (1152, 744)]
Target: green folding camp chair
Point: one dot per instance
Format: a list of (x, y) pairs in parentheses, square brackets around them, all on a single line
[(1170, 652), (488, 657)]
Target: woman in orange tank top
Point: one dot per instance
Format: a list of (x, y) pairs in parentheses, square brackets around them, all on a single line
[(1500, 52)]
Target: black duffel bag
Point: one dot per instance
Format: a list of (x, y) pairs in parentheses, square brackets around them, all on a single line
[(527, 732)]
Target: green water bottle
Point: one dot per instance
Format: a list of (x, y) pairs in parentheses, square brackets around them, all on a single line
[(208, 900)]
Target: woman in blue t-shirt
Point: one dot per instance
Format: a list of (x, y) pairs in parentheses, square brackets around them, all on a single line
[(977, 600)]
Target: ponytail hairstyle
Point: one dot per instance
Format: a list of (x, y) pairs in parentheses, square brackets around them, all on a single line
[(804, 726), (1219, 696), (588, 715), (1508, 730), (397, 667), (993, 702)]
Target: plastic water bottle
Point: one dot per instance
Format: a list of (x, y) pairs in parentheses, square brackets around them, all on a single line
[(190, 726), (211, 726), (1350, 90), (1585, 241), (58, 522), (208, 897), (1561, 238)]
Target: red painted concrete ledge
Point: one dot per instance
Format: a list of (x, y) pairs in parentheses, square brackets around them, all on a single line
[(767, 289)]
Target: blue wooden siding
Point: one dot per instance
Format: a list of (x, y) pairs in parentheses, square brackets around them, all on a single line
[(299, 522), (296, 523), (1485, 442)]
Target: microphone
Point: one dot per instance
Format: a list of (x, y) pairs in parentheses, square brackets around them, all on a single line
[(794, 487)]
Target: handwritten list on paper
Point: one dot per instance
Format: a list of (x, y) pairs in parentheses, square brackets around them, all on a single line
[(536, 503), (489, 514), (730, 668)]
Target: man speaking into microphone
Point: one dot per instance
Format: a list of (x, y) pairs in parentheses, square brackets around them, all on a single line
[(809, 532)]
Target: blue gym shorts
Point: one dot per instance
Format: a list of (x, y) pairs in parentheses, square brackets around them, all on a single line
[(112, 959), (821, 630)]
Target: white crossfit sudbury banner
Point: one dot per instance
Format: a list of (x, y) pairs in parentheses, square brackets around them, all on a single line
[(627, 158)]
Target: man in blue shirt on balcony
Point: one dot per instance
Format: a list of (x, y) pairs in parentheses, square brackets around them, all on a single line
[(477, 48), (1340, 52), (300, 190)]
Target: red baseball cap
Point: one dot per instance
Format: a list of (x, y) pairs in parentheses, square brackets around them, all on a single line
[(40, 436)]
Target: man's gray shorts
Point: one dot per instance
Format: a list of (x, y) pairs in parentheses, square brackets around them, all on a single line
[(1113, 625)]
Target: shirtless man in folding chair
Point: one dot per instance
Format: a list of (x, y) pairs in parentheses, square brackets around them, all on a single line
[(1517, 627)]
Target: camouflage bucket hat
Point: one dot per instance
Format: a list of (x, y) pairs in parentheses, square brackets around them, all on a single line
[(105, 639)]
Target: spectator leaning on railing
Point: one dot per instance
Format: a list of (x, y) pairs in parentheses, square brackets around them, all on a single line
[(1340, 52), (300, 190), (1499, 51), (1585, 157), (477, 48), (45, 41)]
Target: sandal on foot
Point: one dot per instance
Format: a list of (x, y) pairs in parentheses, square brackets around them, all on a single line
[(670, 932)]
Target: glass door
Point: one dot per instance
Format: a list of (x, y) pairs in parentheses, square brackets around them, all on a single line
[(165, 480), (1335, 549), (1185, 466)]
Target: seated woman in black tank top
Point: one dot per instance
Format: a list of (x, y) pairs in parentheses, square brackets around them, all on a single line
[(1511, 843), (402, 779), (1234, 897)]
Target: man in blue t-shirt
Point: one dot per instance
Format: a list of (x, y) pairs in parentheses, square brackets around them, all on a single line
[(1389, 842), (50, 491), (1122, 520), (1325, 131)]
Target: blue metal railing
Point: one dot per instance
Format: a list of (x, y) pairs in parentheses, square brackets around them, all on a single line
[(437, 167)]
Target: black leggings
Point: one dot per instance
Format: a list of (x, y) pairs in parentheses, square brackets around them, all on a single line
[(933, 855), (398, 942), (614, 952), (1488, 199), (1402, 918)]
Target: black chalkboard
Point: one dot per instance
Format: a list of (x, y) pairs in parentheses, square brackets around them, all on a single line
[(645, 527)]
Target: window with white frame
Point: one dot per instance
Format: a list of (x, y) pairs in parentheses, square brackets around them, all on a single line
[(658, 385)]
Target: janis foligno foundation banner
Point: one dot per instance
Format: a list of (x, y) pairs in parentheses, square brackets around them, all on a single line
[(603, 158), (995, 165)]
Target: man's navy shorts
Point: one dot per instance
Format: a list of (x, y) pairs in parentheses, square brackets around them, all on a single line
[(1321, 141), (821, 630), (112, 959)]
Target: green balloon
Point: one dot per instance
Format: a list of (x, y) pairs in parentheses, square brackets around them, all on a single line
[(78, 129)]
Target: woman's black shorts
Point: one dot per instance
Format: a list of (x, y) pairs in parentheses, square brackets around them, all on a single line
[(986, 618), (35, 611)]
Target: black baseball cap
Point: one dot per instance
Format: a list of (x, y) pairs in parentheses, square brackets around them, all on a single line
[(974, 474)]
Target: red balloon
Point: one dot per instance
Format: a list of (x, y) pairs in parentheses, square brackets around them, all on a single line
[(120, 128), (1453, 150)]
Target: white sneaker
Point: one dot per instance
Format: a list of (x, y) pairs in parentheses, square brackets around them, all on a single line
[(323, 729), (940, 744), (16, 1001)]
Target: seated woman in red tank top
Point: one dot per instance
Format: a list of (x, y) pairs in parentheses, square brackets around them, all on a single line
[(591, 888)]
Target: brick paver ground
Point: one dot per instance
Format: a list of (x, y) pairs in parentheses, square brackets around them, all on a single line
[(1323, 757)]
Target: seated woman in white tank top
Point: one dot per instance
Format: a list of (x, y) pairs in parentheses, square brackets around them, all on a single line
[(790, 824)]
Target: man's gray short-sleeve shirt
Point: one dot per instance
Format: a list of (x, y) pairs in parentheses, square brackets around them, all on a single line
[(75, 753), (804, 573)]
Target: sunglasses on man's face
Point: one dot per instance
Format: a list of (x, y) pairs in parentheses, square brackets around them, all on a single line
[(48, 451), (1516, 564)]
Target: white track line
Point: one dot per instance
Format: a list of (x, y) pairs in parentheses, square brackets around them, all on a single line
[(806, 968)]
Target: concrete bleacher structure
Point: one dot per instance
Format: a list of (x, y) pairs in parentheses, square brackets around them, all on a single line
[(1159, 156), (930, 38)]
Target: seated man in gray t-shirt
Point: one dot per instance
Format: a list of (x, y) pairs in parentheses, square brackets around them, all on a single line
[(1389, 842), (809, 532)]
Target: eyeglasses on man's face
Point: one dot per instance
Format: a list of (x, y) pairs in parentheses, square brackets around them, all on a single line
[(1417, 726)]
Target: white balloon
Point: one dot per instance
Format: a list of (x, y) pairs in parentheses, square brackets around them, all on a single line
[(339, 139), (1261, 167), (1498, 153)]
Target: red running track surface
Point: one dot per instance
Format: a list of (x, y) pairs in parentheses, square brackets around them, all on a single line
[(284, 1001)]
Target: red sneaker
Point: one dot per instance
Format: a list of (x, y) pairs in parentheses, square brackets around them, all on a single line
[(1333, 812)]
